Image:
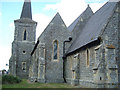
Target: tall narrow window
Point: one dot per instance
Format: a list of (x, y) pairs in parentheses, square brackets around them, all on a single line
[(55, 50), (73, 74), (88, 57), (25, 35), (24, 66)]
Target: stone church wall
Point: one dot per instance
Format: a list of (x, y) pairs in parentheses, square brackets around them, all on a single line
[(55, 31), (79, 71), (111, 45), (104, 60)]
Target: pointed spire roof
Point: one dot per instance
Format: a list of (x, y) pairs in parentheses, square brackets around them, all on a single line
[(26, 11), (86, 14)]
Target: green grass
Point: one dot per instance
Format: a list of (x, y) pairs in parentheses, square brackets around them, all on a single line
[(26, 84), (0, 79), (0, 82)]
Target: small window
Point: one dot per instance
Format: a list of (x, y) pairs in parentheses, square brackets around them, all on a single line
[(81, 19), (88, 57), (25, 35), (24, 52), (73, 74), (24, 66), (55, 50)]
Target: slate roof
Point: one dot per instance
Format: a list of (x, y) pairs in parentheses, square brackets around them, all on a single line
[(85, 14), (93, 27), (26, 11)]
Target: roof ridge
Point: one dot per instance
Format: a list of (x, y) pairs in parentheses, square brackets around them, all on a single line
[(101, 7), (57, 14), (99, 19), (78, 18), (107, 22)]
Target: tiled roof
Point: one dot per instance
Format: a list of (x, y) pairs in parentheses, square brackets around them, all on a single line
[(93, 27), (87, 13)]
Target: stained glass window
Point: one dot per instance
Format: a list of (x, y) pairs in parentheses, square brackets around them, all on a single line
[(55, 50), (88, 57)]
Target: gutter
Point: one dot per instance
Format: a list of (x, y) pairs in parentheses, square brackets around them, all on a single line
[(70, 39)]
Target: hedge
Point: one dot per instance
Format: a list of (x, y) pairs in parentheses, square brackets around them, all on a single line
[(10, 79)]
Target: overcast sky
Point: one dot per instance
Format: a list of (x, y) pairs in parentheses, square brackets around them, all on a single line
[(43, 11)]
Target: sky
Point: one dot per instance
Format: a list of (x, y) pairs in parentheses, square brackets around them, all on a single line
[(42, 12)]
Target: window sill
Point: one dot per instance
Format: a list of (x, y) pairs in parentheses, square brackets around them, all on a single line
[(55, 60)]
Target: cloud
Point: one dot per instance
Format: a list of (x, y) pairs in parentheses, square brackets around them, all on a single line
[(68, 9), (0, 19), (96, 6), (71, 9), (42, 20), (95, 1), (11, 25), (47, 1), (4, 56), (0, 14)]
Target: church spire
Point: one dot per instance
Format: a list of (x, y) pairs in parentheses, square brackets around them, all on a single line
[(26, 11)]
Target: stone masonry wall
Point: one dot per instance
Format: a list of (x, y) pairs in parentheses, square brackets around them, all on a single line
[(111, 45), (21, 49), (56, 30), (83, 72)]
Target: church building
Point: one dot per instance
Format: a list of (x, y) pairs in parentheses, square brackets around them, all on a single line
[(86, 53)]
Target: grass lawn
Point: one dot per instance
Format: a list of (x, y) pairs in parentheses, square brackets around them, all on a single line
[(0, 79), (26, 84), (0, 82)]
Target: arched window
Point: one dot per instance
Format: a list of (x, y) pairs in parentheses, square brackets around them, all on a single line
[(24, 66), (25, 35), (55, 50), (88, 57)]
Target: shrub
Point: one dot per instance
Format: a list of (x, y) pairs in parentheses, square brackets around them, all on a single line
[(10, 79)]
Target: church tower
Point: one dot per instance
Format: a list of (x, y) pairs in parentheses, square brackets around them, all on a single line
[(24, 41)]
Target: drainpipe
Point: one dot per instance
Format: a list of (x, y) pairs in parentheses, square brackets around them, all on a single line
[(64, 57)]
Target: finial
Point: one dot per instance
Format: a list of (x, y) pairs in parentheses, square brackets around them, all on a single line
[(88, 5), (27, 0)]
